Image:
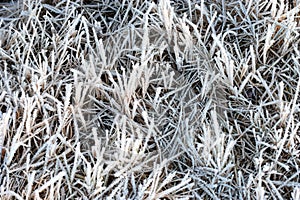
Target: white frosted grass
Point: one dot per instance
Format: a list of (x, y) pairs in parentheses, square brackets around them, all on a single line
[(58, 178), (138, 100)]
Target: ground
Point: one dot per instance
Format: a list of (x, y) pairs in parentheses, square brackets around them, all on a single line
[(149, 99)]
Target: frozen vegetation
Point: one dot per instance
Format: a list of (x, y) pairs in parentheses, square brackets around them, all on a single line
[(137, 99)]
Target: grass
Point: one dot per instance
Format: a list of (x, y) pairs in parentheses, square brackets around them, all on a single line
[(149, 99)]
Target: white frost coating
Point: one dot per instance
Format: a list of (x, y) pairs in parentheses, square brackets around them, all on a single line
[(4, 117), (1, 131)]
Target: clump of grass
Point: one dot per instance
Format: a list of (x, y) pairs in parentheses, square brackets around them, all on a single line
[(149, 99)]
